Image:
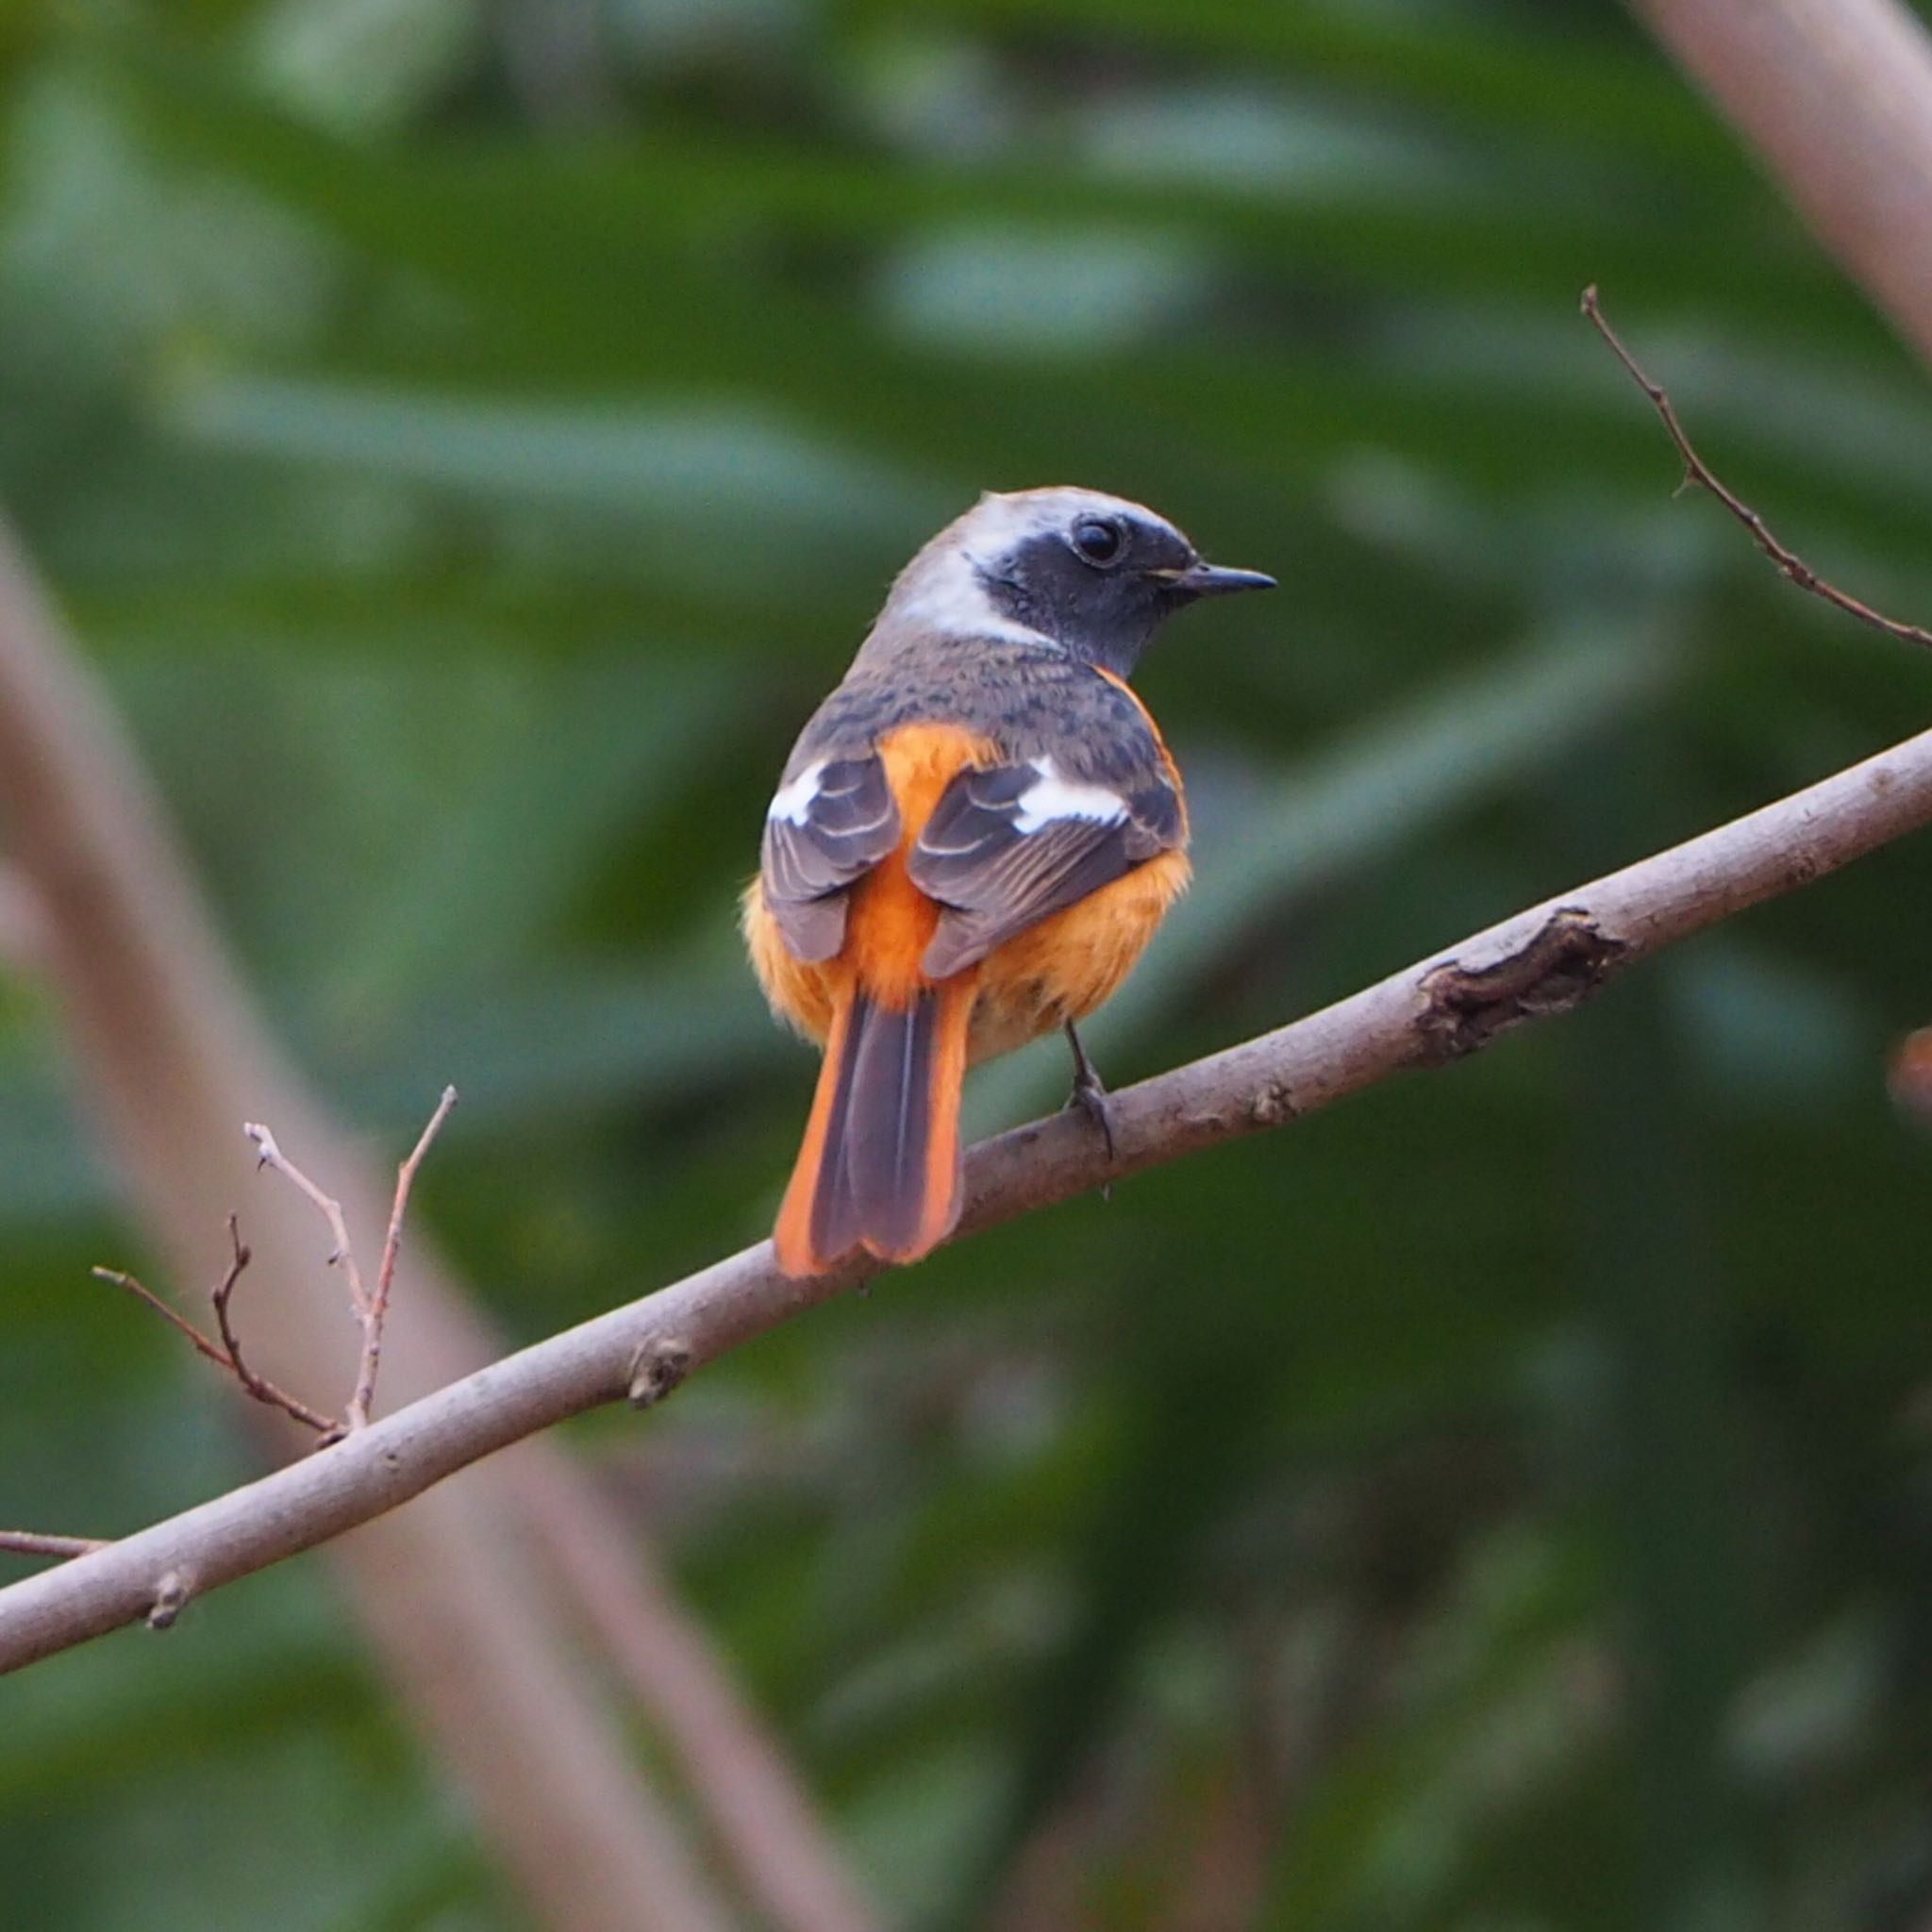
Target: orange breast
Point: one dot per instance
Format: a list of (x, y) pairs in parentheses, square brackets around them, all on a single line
[(801, 995)]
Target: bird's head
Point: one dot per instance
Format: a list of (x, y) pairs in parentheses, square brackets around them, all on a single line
[(1094, 575)]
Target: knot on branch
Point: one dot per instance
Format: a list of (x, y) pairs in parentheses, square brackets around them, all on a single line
[(1273, 1105), (1560, 966), (170, 1599), (657, 1370)]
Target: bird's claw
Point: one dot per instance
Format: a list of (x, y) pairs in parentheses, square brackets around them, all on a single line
[(1089, 1097)]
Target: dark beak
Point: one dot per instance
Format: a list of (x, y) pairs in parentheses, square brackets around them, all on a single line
[(1211, 580)]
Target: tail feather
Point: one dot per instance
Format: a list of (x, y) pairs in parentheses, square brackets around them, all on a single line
[(880, 1164), (820, 1167)]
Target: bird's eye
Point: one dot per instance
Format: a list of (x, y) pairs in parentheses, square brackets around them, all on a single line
[(1098, 540)]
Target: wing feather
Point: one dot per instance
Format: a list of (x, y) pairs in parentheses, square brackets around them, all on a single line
[(827, 827), (1012, 844)]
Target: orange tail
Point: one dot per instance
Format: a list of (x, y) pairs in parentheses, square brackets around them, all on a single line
[(880, 1164)]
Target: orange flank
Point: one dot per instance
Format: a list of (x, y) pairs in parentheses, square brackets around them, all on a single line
[(880, 1164), (1073, 961)]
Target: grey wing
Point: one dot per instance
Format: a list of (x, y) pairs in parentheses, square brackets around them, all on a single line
[(827, 829), (1008, 846)]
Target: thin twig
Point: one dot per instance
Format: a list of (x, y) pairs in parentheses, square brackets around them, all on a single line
[(28, 1542), (269, 1155), (257, 1386), (1697, 472), (358, 1413), (227, 1354), (116, 1277)]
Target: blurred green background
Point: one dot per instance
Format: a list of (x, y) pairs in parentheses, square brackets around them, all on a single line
[(470, 435)]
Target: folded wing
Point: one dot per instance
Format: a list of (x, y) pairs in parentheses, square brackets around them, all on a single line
[(827, 827), (1012, 844)]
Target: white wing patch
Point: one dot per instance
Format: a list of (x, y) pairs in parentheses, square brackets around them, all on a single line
[(793, 802), (1051, 797)]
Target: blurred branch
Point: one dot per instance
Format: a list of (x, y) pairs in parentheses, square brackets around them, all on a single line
[(174, 1055), (22, 924), (1909, 1076), (1697, 471), (1541, 962), (1837, 97), (622, 1597)]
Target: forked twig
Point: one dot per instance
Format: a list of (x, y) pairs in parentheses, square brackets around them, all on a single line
[(370, 1310), (1697, 471), (227, 1354)]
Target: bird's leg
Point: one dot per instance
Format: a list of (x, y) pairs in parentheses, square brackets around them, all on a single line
[(1089, 1094)]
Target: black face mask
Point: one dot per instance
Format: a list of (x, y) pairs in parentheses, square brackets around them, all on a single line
[(1103, 589)]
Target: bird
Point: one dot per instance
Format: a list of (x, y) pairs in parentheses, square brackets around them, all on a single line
[(973, 838)]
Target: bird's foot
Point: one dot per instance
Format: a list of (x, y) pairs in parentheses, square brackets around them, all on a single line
[(1089, 1096)]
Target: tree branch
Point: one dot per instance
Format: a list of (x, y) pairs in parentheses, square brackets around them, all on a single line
[(1539, 964)]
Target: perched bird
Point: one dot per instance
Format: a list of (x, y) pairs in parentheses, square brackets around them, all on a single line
[(973, 841)]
